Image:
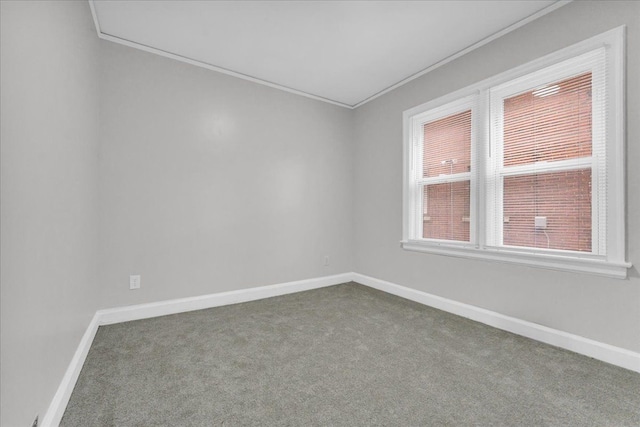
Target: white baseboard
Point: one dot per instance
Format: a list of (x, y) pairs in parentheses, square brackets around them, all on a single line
[(59, 403), (163, 308), (143, 311), (585, 346), (605, 352)]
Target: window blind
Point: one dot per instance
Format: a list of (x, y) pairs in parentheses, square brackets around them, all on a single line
[(549, 171), (446, 170)]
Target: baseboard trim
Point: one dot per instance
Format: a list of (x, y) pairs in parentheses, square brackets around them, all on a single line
[(163, 308), (607, 353), (144, 311), (60, 400)]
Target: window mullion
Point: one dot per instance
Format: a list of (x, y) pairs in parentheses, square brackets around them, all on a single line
[(481, 153), (444, 179), (545, 167)]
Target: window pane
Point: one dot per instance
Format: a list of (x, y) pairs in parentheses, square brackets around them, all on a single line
[(549, 123), (447, 145), (446, 211), (563, 199)]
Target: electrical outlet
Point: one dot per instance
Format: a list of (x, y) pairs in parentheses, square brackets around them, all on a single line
[(134, 281), (326, 260), (35, 422)]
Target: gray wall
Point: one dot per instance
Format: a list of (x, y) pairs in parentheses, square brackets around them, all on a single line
[(606, 310), (198, 181), (49, 197), (203, 183), (209, 183)]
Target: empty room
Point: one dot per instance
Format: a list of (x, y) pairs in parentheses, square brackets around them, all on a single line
[(319, 213)]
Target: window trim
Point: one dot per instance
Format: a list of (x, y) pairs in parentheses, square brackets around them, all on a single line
[(614, 263), (576, 65), (417, 182)]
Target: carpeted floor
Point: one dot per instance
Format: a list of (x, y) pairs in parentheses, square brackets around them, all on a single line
[(345, 355)]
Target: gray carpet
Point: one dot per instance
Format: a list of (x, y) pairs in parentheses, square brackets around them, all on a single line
[(345, 355)]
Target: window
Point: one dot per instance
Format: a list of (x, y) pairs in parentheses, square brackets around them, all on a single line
[(524, 167), (445, 181)]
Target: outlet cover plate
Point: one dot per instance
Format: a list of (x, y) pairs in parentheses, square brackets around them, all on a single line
[(134, 281)]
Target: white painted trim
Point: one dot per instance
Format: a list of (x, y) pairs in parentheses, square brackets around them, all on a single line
[(550, 259), (94, 15), (143, 311), (206, 65), (63, 394), (212, 67), (466, 50), (163, 308), (607, 353)]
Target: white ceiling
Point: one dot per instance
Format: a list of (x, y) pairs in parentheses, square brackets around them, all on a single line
[(342, 51)]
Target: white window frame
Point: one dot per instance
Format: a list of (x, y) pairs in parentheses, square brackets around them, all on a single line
[(608, 256), (417, 181), (596, 162)]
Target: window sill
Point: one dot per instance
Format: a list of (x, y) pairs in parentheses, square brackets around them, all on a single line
[(554, 262)]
